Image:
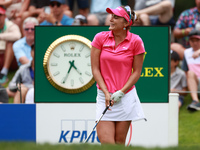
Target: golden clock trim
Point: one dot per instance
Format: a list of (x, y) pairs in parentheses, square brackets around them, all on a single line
[(48, 54)]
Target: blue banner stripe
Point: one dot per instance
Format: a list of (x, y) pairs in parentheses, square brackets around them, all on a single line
[(18, 122)]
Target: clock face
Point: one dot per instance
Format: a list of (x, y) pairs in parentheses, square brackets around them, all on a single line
[(67, 64)]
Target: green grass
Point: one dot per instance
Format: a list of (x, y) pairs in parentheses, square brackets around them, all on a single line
[(189, 125), (189, 135), (33, 146)]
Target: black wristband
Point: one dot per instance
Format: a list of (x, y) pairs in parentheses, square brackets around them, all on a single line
[(56, 23)]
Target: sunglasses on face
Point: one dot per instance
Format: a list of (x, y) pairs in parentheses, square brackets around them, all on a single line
[(27, 29), (55, 4)]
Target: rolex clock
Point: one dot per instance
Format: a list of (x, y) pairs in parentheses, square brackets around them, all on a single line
[(67, 64)]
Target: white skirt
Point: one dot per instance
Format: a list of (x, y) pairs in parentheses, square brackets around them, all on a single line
[(128, 109)]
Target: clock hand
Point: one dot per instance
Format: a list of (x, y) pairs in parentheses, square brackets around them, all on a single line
[(76, 68), (65, 78)]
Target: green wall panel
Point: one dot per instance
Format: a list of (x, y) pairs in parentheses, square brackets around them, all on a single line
[(152, 87)]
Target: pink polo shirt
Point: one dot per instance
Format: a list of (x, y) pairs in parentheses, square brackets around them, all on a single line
[(116, 63)]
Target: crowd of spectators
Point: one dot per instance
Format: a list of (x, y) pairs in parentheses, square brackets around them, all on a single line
[(187, 45), (18, 18)]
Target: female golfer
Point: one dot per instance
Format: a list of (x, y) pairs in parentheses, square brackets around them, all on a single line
[(117, 59)]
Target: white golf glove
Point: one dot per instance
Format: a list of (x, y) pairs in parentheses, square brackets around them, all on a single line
[(117, 96)]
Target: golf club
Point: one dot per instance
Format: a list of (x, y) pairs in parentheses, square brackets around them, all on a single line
[(19, 81), (97, 122)]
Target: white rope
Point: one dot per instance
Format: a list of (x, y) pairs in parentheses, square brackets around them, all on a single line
[(2, 89), (186, 92)]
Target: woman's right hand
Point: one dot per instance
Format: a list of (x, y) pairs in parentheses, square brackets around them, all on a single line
[(108, 100)]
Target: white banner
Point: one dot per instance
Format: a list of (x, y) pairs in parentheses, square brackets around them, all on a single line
[(73, 122)]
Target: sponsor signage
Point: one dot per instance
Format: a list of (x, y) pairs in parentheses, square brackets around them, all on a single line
[(73, 122), (154, 77), (76, 131)]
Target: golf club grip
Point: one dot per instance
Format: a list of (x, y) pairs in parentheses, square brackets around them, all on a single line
[(106, 108)]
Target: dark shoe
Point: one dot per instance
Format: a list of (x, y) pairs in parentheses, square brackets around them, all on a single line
[(194, 106), (3, 78)]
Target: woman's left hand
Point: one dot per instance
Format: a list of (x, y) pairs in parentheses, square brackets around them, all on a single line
[(116, 97)]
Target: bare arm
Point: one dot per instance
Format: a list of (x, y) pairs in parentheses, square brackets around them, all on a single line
[(137, 68), (50, 18), (35, 11), (8, 3), (23, 60), (5, 3), (196, 54), (24, 8), (180, 33), (95, 62)]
